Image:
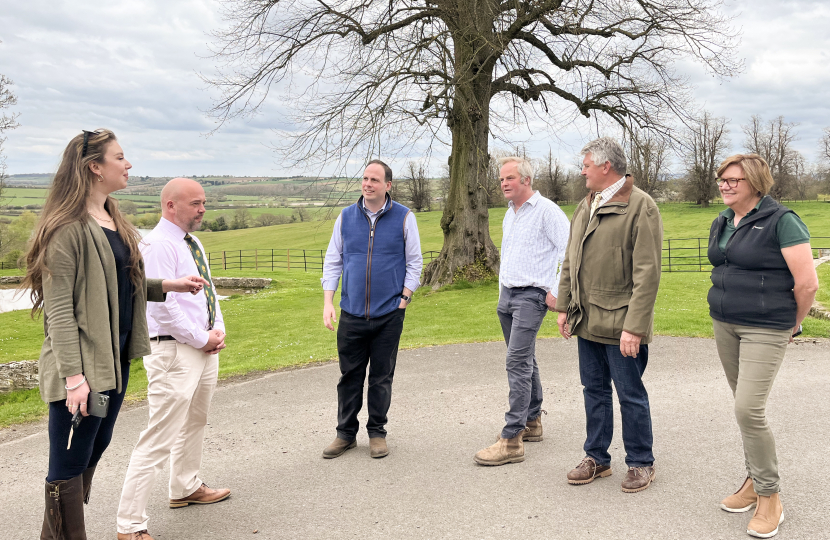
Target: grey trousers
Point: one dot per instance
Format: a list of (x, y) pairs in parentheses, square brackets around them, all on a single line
[(521, 311), (751, 357)]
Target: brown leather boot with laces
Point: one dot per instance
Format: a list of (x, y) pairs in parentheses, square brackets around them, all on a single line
[(638, 479), (587, 471)]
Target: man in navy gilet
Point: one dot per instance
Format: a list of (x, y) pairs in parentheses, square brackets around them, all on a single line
[(376, 247)]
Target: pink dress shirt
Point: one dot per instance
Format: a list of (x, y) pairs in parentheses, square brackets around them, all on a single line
[(183, 315)]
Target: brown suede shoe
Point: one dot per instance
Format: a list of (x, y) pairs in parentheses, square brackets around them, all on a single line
[(503, 452), (378, 448), (742, 500), (638, 479), (337, 448), (586, 471), (203, 495), (138, 535), (769, 514)]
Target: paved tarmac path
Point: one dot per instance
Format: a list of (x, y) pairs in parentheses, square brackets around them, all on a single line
[(267, 434)]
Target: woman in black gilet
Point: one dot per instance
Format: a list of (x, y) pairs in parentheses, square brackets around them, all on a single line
[(763, 284)]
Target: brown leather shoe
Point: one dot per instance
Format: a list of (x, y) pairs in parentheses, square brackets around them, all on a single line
[(638, 479), (503, 452), (203, 495), (742, 500), (587, 471), (138, 535), (378, 448), (337, 448), (769, 514)]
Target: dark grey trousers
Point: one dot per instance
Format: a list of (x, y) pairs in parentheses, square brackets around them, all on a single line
[(521, 312)]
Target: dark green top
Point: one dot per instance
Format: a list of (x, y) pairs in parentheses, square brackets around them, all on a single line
[(791, 231)]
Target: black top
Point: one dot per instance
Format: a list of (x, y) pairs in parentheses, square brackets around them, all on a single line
[(751, 282), (125, 286)]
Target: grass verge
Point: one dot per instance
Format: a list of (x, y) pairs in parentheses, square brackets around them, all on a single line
[(282, 326)]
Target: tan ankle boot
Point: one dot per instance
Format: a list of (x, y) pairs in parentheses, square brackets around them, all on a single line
[(504, 451), (769, 514), (742, 500), (533, 430)]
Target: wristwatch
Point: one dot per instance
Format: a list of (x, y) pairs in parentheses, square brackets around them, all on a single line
[(407, 298)]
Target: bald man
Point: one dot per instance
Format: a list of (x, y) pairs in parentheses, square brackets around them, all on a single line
[(187, 334)]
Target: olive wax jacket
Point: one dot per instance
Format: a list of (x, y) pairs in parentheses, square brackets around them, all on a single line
[(611, 271)]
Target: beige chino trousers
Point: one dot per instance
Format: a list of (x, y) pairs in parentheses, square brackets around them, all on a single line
[(751, 357), (181, 384)]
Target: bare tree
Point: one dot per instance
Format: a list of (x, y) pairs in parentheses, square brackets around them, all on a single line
[(417, 186), (7, 122), (374, 77), (705, 143), (648, 159), (773, 142), (551, 179)]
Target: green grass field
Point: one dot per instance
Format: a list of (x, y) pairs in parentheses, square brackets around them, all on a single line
[(295, 301)]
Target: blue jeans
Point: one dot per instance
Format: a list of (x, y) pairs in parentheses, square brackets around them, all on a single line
[(521, 311), (600, 364)]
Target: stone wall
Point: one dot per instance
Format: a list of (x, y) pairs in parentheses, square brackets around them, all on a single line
[(18, 376), (241, 282)]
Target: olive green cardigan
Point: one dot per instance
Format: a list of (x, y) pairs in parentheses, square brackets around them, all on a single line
[(80, 312)]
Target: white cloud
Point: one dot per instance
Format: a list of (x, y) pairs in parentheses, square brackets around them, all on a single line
[(133, 67)]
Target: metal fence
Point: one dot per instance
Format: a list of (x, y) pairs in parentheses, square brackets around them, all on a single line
[(679, 255)]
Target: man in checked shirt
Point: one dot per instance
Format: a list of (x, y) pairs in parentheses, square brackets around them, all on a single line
[(533, 247)]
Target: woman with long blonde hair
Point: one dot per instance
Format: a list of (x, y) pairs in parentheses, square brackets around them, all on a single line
[(86, 276)]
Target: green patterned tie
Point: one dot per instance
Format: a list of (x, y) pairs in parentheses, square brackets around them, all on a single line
[(199, 257)]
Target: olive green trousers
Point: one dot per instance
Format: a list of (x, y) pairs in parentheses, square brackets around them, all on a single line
[(751, 357)]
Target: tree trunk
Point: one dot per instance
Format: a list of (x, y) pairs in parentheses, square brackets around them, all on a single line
[(468, 252)]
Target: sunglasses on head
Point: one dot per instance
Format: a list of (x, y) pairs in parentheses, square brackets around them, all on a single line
[(86, 140)]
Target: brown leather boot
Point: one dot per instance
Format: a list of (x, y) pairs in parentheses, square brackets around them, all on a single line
[(587, 471), (769, 514), (87, 476), (742, 500), (338, 447), (203, 495), (64, 515), (504, 451)]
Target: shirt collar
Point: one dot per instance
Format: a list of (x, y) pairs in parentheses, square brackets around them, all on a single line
[(612, 190), (172, 229), (532, 200), (385, 206), (730, 214)]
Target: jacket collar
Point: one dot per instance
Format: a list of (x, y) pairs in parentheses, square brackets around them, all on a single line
[(623, 196), (386, 206)]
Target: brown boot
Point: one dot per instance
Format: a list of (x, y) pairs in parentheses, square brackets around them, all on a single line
[(504, 451), (87, 476), (742, 500), (64, 515), (638, 478), (378, 448), (338, 447), (587, 471), (769, 514)]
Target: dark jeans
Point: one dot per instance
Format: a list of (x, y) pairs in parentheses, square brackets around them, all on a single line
[(521, 311), (361, 343), (90, 439), (600, 364)]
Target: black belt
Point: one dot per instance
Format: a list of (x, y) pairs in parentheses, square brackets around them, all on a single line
[(164, 338)]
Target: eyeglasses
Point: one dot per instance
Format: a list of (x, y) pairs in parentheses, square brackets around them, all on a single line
[(730, 182), (86, 140)]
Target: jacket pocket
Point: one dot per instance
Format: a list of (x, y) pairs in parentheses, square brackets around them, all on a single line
[(606, 314)]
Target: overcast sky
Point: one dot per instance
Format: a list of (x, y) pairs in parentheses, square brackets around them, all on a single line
[(132, 67)]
